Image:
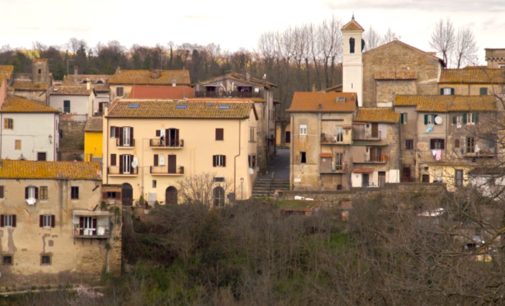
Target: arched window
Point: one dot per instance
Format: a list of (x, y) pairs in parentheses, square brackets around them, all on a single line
[(362, 45), (351, 45), (171, 195), (218, 196)]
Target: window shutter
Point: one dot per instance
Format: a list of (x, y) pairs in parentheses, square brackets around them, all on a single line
[(214, 160), (425, 119), (452, 91), (441, 91), (53, 220), (13, 220), (476, 117), (113, 159), (121, 163), (104, 195), (120, 136), (36, 192), (224, 160), (112, 131), (158, 133), (41, 221), (1, 220), (454, 119), (464, 118), (131, 137), (94, 223), (155, 159), (26, 192)]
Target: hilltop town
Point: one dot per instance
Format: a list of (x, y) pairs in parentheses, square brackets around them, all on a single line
[(82, 157)]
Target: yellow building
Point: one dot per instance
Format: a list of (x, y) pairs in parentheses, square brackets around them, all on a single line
[(150, 147), (93, 139)]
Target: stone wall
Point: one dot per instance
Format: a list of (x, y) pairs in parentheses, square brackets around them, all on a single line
[(72, 137)]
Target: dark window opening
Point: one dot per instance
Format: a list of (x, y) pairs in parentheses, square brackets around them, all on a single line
[(303, 157), (45, 259), (74, 192), (7, 260), (352, 43), (219, 134)]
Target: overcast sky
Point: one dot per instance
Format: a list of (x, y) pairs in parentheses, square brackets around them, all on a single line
[(235, 24)]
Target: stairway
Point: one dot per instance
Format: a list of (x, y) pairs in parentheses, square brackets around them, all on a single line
[(265, 186)]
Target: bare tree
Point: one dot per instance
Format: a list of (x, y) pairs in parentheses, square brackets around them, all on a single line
[(389, 37), (443, 39), (198, 189), (372, 39), (465, 48)]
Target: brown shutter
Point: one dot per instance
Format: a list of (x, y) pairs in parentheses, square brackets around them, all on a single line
[(158, 133), (155, 159), (121, 141), (214, 160), (41, 221), (36, 192), (53, 220), (26, 192), (1, 192), (177, 137), (13, 220), (81, 226), (120, 163), (132, 139), (1, 220), (113, 159), (224, 160), (94, 223)]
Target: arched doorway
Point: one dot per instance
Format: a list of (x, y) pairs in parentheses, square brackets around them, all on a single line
[(171, 195), (218, 196), (127, 194)]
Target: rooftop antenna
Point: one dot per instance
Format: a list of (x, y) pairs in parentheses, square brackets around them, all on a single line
[(352, 15)]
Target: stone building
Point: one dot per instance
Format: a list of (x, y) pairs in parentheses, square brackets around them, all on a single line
[(150, 146), (260, 91), (495, 58), (34, 86), (375, 147), (322, 127), (472, 81), (55, 229)]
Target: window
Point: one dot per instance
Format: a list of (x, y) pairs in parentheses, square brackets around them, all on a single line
[(87, 226), (458, 178), (47, 221), (74, 192), (172, 137), (126, 136), (303, 129), (43, 194), (409, 144), (340, 134), (339, 158), (7, 220), (376, 154), (352, 44), (8, 123), (219, 134), (156, 160), (303, 157), (470, 145), (17, 144), (125, 163), (41, 156), (252, 161), (456, 143), (403, 118), (155, 183), (471, 118), (113, 132), (113, 159), (1, 191), (66, 106), (447, 91), (457, 120), (219, 160), (7, 260), (483, 91), (429, 119), (45, 259), (252, 134), (436, 144), (218, 195), (119, 91), (31, 192)]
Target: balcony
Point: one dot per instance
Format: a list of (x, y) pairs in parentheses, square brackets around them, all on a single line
[(233, 94), (485, 153), (329, 139), (166, 171), (91, 224), (116, 171), (336, 169), (378, 159), (126, 145), (366, 134), (159, 143)]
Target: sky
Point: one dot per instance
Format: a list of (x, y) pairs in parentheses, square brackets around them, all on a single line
[(235, 24)]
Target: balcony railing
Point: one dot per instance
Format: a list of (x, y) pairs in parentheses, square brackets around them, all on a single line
[(118, 171), (233, 94), (332, 139), (91, 233), (382, 159), (165, 170), (365, 134), (129, 144), (334, 169), (164, 144)]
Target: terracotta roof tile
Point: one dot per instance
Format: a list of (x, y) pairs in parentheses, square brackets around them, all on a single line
[(148, 77), (15, 104), (352, 25), (377, 114), (94, 124), (473, 75), (160, 92), (447, 103), (179, 109), (317, 101), (75, 79), (240, 78), (29, 85), (70, 90), (25, 169)]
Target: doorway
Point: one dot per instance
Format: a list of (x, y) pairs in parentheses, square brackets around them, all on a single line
[(127, 194), (171, 195), (382, 178)]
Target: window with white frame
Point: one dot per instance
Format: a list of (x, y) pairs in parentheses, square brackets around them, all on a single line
[(340, 134), (7, 220), (47, 221), (219, 160), (303, 129)]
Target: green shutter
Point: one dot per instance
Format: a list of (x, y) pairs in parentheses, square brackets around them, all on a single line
[(425, 119), (476, 117), (465, 118)]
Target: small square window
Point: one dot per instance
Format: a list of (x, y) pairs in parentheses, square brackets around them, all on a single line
[(41, 156), (43, 193), (483, 91), (409, 144), (47, 221), (119, 91), (7, 260), (303, 129), (45, 259), (403, 118), (66, 106), (17, 144), (8, 123), (219, 134), (74, 193), (155, 183)]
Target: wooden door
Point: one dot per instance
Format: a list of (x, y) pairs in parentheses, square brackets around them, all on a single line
[(172, 163), (171, 195), (288, 137), (365, 180), (382, 178), (375, 130)]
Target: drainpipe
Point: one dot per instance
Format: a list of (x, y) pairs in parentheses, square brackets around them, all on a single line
[(235, 158)]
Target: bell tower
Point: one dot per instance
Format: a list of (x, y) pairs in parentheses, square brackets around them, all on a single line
[(352, 59)]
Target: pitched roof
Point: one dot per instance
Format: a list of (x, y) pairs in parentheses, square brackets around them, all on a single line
[(94, 124), (473, 75), (240, 77), (377, 114), (26, 169), (150, 77), (74, 79), (181, 109), (70, 90), (447, 103), (400, 43), (16, 104), (352, 25), (227, 100), (29, 85), (160, 92), (323, 102)]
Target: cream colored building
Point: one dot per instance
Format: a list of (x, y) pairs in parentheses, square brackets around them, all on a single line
[(150, 146), (54, 229)]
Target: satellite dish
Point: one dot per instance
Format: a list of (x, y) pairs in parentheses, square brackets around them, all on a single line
[(31, 201), (438, 120), (135, 163)]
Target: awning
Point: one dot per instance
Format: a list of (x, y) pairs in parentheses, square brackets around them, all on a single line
[(362, 170)]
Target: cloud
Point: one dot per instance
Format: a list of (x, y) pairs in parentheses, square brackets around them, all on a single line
[(426, 5)]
